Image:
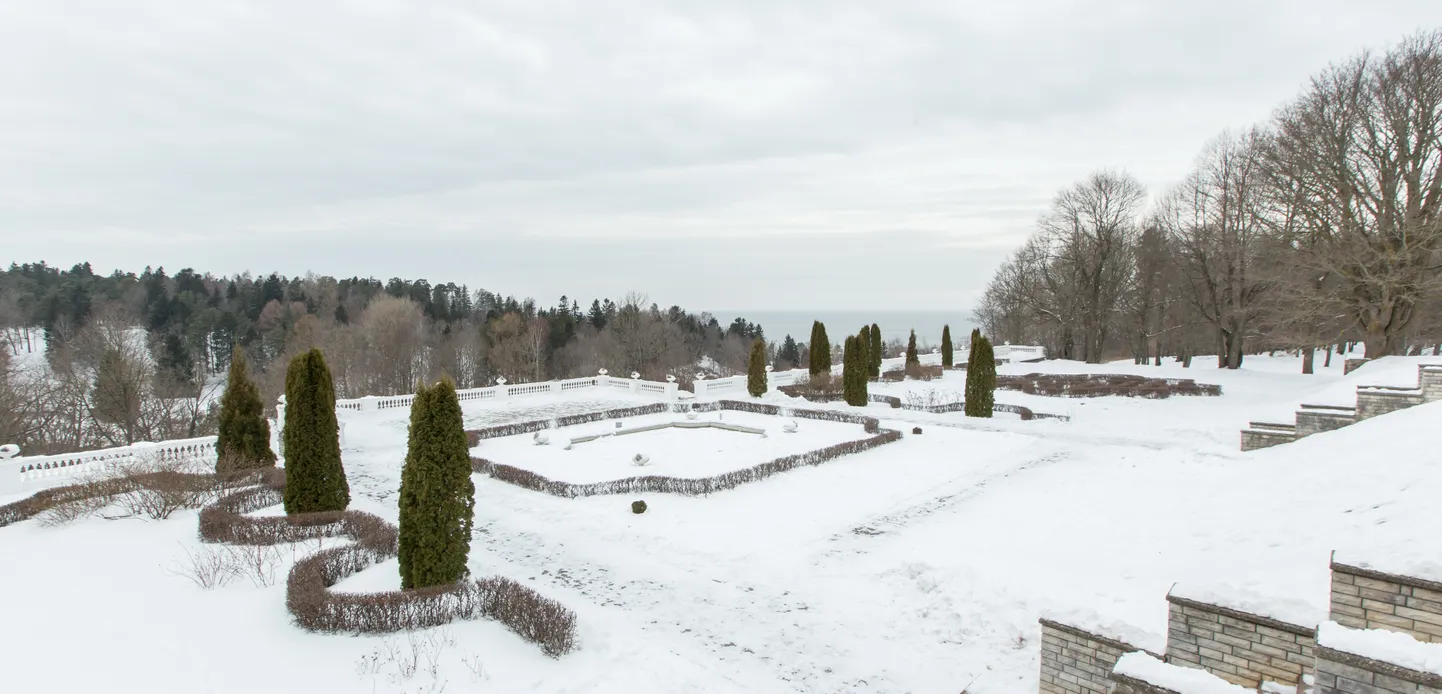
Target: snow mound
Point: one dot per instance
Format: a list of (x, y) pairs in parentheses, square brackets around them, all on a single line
[(1391, 647), (1093, 622), (1144, 667), (1246, 599)]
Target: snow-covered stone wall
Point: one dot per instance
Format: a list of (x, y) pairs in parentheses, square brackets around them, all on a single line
[(1370, 599), (1430, 382), (1353, 661), (1375, 402), (1077, 661), (1235, 643)]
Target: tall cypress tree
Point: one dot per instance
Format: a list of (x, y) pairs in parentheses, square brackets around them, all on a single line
[(911, 357), (971, 353), (756, 369), (244, 436), (863, 343), (853, 372), (874, 368), (981, 379), (947, 357), (820, 349), (314, 476), (437, 504)]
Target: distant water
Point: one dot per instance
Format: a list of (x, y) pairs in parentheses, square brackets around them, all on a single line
[(895, 325)]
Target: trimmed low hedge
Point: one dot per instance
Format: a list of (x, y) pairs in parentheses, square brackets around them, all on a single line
[(1105, 385), (705, 485), (315, 607)]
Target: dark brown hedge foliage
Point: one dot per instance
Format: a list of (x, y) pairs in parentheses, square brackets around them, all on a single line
[(1105, 385), (705, 485), (315, 607)]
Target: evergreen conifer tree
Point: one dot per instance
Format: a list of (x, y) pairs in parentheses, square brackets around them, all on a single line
[(756, 369), (874, 368), (848, 370), (911, 357), (971, 353), (981, 379), (790, 352), (314, 476), (947, 357), (244, 436), (863, 343), (820, 350), (437, 500)]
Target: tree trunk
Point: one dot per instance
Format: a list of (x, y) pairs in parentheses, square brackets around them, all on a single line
[(1307, 359), (1437, 349), (1328, 362)]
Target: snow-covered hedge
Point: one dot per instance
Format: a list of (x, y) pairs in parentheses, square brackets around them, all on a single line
[(315, 607)]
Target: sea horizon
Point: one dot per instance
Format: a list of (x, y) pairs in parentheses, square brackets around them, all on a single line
[(895, 325)]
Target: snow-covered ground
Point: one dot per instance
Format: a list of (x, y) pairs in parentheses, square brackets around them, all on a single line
[(674, 452), (920, 566)]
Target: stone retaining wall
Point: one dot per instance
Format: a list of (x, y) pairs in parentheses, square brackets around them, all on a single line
[(1351, 365), (1076, 661), (1315, 421), (1429, 379), (1375, 402), (1237, 646), (1339, 672), (1367, 599), (1255, 438)]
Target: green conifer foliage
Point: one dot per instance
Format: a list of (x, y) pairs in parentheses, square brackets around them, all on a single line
[(244, 436), (911, 357), (756, 370), (314, 476), (437, 500), (947, 356), (874, 368), (863, 342), (853, 372), (820, 349), (981, 379)]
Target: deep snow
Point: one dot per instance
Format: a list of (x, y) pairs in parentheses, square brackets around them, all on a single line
[(921, 566)]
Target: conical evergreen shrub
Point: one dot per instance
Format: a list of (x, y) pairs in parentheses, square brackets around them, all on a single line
[(314, 476), (438, 498), (756, 370), (947, 357), (911, 357), (820, 350), (863, 343), (981, 379), (971, 352), (243, 440), (853, 372), (874, 368)]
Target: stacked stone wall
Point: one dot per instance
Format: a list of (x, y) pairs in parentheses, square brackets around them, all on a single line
[(1076, 661), (1339, 672), (1237, 646), (1367, 599), (1375, 402)]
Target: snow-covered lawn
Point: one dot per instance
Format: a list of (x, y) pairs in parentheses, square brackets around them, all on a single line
[(920, 566), (674, 452)]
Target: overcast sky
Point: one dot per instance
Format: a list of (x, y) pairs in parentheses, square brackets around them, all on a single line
[(728, 154)]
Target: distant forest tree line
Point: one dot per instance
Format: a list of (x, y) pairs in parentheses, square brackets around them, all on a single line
[(1319, 229), (134, 357)]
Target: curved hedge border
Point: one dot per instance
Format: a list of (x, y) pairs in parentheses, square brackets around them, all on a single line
[(314, 606), (534, 617), (704, 485)]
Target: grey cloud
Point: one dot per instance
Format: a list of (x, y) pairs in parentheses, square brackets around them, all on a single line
[(218, 135)]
